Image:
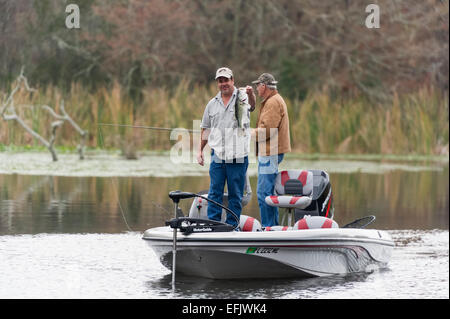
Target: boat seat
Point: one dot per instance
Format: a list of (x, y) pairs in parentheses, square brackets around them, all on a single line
[(315, 222), (293, 189), (199, 207), (248, 223), (288, 201)]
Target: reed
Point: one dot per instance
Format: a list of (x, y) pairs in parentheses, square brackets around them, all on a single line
[(409, 124), (415, 123)]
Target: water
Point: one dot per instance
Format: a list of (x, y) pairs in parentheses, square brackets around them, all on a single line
[(122, 266), (80, 236)]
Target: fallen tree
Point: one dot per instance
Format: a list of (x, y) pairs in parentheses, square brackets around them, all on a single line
[(8, 113)]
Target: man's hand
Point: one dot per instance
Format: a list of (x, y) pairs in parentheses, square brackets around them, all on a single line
[(251, 97), (200, 158), (203, 142)]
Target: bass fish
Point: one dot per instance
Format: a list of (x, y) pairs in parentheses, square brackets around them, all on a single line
[(241, 109)]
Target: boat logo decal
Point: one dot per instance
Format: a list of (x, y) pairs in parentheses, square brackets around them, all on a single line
[(202, 229), (261, 250)]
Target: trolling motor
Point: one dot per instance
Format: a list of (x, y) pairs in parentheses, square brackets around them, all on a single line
[(188, 225)]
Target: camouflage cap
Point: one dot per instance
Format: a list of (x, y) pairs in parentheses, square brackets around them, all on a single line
[(267, 79)]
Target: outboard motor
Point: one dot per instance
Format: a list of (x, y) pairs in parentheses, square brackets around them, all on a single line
[(322, 197)]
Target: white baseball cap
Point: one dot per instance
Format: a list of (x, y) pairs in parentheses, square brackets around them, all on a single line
[(224, 72)]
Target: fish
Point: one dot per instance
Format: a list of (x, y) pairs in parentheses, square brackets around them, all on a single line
[(241, 109)]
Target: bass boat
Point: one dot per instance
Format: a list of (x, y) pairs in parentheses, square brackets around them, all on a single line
[(313, 246)]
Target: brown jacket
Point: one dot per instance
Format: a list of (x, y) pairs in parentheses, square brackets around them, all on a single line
[(273, 114)]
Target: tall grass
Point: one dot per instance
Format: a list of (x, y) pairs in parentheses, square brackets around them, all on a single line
[(416, 123)]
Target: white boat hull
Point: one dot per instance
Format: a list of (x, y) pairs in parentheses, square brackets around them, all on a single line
[(272, 254)]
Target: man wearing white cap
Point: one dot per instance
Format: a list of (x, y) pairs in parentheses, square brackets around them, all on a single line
[(226, 129)]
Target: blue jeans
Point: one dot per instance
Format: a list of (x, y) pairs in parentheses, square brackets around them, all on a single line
[(267, 174), (233, 173)]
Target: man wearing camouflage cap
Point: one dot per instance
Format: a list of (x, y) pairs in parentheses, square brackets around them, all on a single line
[(272, 142)]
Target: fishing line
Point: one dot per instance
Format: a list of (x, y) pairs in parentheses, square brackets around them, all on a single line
[(150, 127), (157, 205), (114, 186)]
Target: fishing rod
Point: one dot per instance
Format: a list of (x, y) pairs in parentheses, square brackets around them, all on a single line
[(150, 127)]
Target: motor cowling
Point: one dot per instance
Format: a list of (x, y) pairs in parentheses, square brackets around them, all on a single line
[(322, 197)]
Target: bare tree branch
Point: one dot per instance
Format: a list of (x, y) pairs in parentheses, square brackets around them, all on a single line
[(8, 113)]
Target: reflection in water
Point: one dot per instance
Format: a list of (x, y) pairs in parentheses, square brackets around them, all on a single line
[(78, 253), (51, 204), (123, 266), (196, 287)]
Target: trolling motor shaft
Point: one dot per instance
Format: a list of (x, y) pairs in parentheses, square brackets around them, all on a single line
[(174, 248), (189, 225)]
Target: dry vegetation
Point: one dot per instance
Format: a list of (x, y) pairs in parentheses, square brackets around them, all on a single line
[(348, 88)]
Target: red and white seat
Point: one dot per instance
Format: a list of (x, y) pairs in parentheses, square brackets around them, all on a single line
[(293, 189), (248, 223), (314, 222)]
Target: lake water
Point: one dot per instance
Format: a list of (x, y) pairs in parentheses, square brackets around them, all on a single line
[(69, 236)]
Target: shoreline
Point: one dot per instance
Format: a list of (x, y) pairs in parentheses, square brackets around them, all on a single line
[(441, 158), (110, 163)]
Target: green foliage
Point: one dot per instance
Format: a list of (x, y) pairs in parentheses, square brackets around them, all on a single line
[(297, 77)]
